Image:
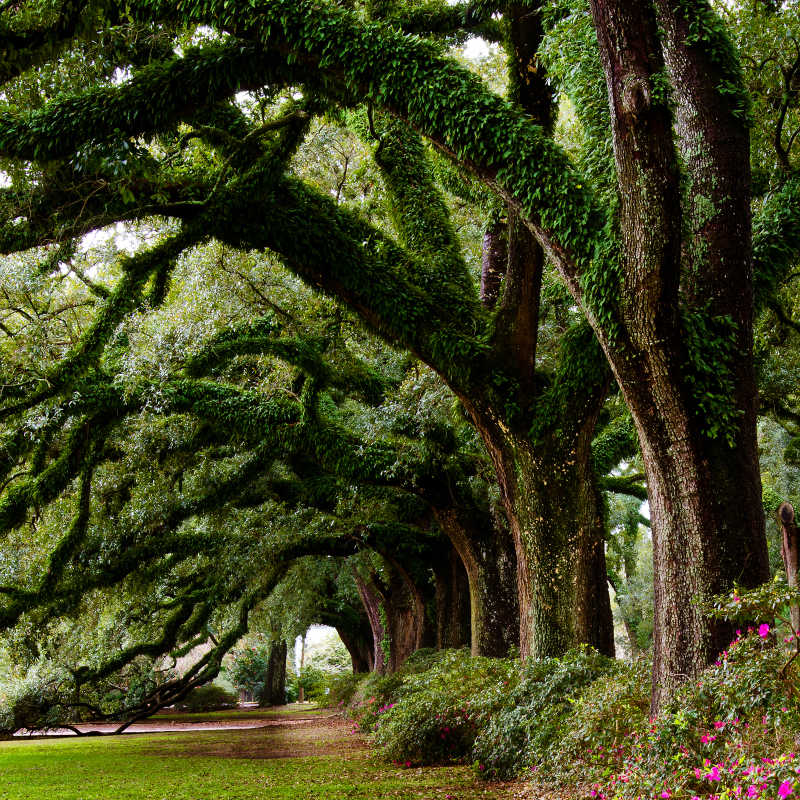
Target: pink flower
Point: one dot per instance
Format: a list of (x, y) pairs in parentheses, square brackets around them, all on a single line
[(707, 737), (763, 630), (714, 774), (665, 795), (752, 791), (719, 725), (785, 789)]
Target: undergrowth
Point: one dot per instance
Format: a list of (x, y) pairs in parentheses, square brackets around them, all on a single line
[(582, 721)]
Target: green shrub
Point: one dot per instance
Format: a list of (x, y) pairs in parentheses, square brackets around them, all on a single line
[(534, 718), (39, 701), (343, 687), (247, 669), (373, 693), (209, 697), (596, 735), (435, 715)]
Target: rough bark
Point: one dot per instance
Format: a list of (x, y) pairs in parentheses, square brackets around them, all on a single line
[(594, 619), (487, 554), (360, 646), (705, 507), (371, 600), (541, 492), (493, 264), (404, 605), (395, 608)]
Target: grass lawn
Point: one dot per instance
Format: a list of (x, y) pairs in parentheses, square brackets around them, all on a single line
[(295, 759)]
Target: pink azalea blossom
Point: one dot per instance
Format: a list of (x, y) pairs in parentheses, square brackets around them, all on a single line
[(763, 630), (785, 789)]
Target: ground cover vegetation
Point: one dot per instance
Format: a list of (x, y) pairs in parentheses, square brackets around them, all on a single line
[(305, 320)]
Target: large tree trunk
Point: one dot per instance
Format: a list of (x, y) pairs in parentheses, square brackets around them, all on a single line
[(371, 600), (702, 474), (558, 536), (404, 607), (395, 608), (487, 553)]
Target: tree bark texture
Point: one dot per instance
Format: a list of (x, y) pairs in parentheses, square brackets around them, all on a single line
[(487, 553), (371, 600), (395, 607), (561, 578), (705, 507), (360, 646)]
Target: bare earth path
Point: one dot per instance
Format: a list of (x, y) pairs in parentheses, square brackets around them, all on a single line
[(311, 755)]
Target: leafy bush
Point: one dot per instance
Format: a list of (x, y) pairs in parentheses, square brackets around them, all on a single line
[(534, 717), (597, 732), (733, 732), (343, 687), (247, 668), (373, 693), (209, 697), (435, 715)]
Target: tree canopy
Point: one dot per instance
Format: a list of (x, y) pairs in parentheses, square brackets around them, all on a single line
[(246, 244)]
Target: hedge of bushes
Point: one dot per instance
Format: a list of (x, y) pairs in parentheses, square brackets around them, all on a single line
[(583, 721)]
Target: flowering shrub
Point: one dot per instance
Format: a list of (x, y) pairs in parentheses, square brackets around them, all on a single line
[(731, 734), (533, 720), (343, 687), (601, 723), (373, 693), (435, 716), (583, 719)]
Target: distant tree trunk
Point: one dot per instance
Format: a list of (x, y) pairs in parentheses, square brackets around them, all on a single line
[(301, 693), (404, 605), (594, 619), (371, 600), (359, 645), (275, 683), (452, 600), (789, 551), (487, 553), (395, 607)]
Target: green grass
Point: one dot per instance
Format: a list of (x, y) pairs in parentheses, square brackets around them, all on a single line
[(216, 765)]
